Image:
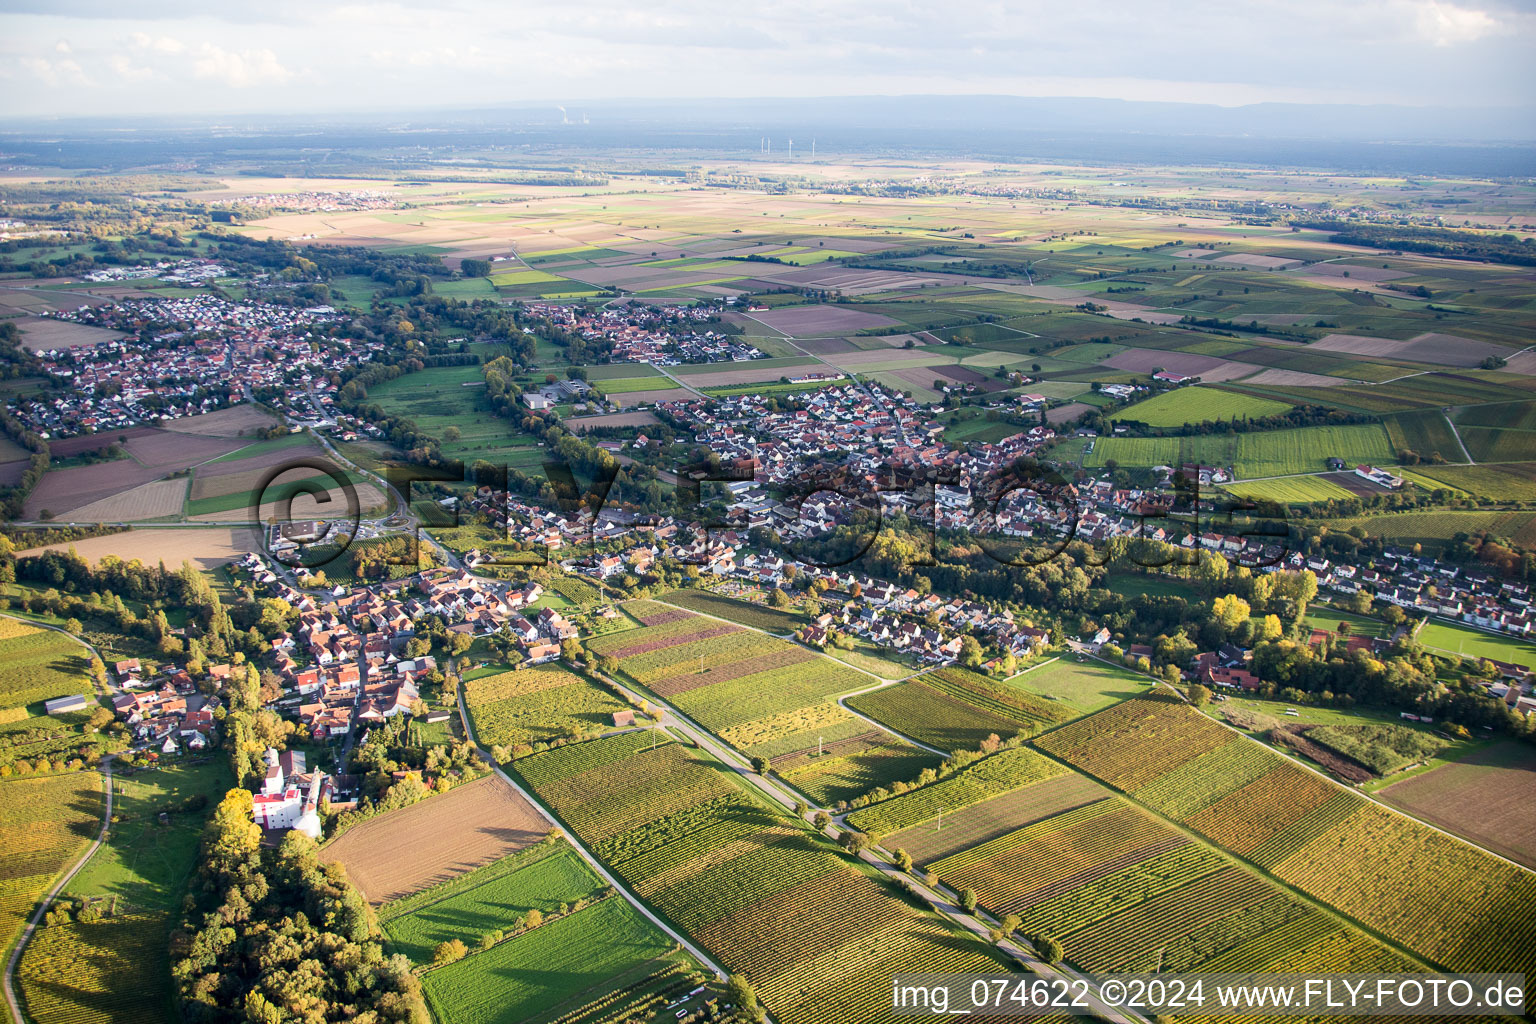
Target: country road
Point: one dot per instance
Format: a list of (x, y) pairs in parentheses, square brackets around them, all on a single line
[(48, 898), (942, 903)]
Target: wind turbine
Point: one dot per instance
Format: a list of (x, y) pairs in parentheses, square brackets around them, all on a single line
[(791, 149)]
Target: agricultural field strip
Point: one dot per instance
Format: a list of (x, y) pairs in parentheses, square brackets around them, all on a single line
[(586, 854), (1261, 854), (57, 887), (719, 902)]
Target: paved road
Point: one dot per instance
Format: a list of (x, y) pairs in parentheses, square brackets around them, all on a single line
[(47, 901), (586, 855)]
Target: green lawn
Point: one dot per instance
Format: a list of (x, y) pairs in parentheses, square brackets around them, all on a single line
[(1088, 685), (1256, 454), (1473, 643), (143, 862), (454, 396), (1196, 405)]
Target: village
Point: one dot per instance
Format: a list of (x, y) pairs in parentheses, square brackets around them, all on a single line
[(181, 357)]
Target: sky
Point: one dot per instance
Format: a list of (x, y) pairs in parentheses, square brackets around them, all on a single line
[(69, 58)]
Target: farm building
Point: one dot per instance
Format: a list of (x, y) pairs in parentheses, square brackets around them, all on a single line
[(61, 704)]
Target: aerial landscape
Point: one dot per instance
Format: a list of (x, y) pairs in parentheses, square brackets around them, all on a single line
[(504, 544)]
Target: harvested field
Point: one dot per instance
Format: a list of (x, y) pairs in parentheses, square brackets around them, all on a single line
[(630, 399), (613, 419), (1243, 259), (983, 822), (93, 442), (747, 373), (1489, 796), (1209, 368), (1353, 484), (304, 506), (41, 334), (430, 842), (205, 548), (165, 450), (1194, 254), (63, 489), (1354, 273), (1295, 379), (146, 501), (828, 346), (1357, 344), (1067, 413), (1439, 349), (38, 300), (241, 475), (815, 321), (236, 421)]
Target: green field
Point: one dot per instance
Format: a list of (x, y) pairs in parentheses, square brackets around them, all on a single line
[(628, 385), (538, 703), (1435, 527), (1474, 643), (453, 396), (1088, 685), (1295, 490), (571, 959), (1255, 454), (1196, 405), (1426, 432), (145, 863), (745, 613), (488, 900), (40, 664)]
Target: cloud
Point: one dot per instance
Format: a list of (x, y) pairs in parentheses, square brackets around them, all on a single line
[(55, 72), (158, 44), (1449, 25), (239, 70), (127, 70)]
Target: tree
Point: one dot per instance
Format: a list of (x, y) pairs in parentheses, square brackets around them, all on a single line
[(855, 842), (740, 993), (778, 599), (534, 919), (968, 899), (822, 819), (970, 652), (449, 952), (1199, 695), (903, 859), (1048, 948), (761, 765)]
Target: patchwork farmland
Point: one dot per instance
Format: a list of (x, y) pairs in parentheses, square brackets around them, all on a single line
[(765, 696), (537, 703), (758, 890), (956, 709), (543, 935), (1328, 842)]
